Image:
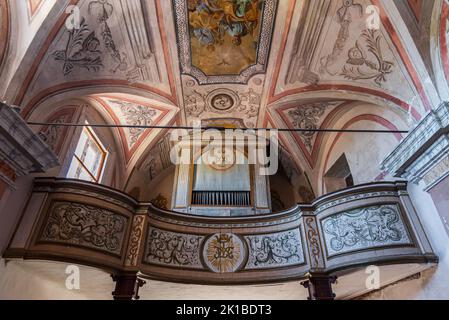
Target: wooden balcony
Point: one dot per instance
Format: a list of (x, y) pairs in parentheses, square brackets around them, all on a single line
[(76, 221)]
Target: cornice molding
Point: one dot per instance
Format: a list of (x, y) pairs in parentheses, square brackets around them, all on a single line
[(424, 148), (20, 148)]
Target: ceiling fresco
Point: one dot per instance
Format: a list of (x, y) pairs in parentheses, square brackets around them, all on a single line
[(224, 36), (342, 49), (224, 40), (236, 63)]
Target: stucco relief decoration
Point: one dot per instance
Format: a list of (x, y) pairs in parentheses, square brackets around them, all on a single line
[(223, 253), (250, 103), (224, 40), (222, 100), (371, 227), (173, 249), (87, 226), (275, 250), (195, 104)]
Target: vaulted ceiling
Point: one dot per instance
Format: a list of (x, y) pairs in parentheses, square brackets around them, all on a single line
[(252, 63)]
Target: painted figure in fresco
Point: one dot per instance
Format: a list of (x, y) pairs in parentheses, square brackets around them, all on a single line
[(211, 20)]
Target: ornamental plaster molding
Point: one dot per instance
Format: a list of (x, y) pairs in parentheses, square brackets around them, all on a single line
[(20, 147), (423, 150)]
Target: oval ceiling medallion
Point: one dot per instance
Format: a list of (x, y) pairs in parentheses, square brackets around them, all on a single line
[(222, 100)]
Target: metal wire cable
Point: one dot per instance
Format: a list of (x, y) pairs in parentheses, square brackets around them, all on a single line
[(209, 128)]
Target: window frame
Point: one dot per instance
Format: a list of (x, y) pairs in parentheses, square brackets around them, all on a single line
[(91, 135)]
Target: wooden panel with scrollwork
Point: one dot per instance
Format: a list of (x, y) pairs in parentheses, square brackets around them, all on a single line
[(90, 224), (85, 226)]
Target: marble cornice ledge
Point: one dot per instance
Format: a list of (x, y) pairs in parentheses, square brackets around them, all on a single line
[(20, 148), (423, 155)]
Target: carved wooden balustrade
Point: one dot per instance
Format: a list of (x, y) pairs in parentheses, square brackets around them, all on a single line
[(75, 221)]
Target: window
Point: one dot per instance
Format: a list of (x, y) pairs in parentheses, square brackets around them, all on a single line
[(89, 158)]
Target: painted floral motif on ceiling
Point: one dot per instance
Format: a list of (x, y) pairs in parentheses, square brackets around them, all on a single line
[(134, 114), (348, 47), (111, 42), (366, 59), (83, 45), (308, 116), (224, 40)]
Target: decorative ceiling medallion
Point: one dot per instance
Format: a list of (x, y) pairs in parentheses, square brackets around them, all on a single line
[(222, 100), (224, 253), (224, 41)]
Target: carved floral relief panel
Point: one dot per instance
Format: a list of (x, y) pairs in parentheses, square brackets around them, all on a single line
[(173, 249), (86, 226), (275, 250), (370, 227)]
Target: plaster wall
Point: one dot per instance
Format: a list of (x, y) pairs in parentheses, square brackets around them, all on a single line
[(433, 284)]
